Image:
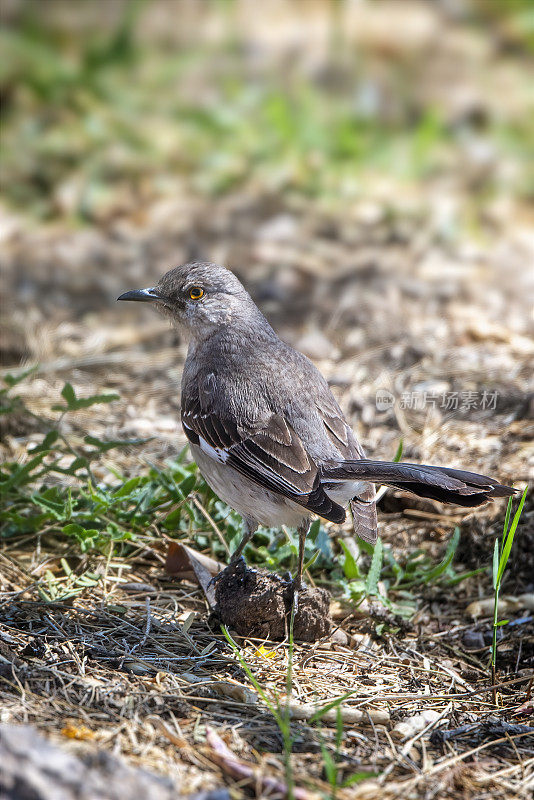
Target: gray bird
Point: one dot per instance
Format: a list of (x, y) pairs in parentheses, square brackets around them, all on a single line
[(264, 428)]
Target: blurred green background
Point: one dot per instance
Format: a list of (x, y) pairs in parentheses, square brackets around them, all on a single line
[(108, 105)]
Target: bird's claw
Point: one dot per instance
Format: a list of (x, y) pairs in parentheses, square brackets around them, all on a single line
[(216, 578)]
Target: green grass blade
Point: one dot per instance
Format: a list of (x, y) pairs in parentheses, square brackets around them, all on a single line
[(495, 563), (272, 708), (507, 545)]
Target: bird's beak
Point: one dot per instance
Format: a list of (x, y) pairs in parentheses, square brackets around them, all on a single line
[(141, 295)]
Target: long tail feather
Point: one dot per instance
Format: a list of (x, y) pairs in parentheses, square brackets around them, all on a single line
[(438, 483)]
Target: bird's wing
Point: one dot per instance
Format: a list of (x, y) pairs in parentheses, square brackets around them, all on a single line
[(266, 451)]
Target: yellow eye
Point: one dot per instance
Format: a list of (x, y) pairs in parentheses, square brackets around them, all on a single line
[(195, 293)]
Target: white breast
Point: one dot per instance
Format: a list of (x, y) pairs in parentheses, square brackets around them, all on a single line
[(246, 497)]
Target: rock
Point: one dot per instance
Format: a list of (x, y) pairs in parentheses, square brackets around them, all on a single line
[(473, 640), (413, 725), (36, 769)]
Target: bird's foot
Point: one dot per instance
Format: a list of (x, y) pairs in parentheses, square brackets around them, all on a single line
[(234, 563)]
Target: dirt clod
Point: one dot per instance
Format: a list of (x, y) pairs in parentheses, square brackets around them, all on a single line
[(258, 603)]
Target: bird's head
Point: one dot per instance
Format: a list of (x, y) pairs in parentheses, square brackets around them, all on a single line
[(198, 297)]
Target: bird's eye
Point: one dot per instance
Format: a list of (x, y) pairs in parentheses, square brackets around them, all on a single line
[(196, 292)]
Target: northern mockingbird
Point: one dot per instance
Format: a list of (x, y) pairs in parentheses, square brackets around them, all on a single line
[(266, 431)]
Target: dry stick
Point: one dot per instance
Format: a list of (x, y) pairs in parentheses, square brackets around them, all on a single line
[(513, 744), (505, 771), (212, 522), (157, 645), (148, 623), (456, 696), (352, 716)]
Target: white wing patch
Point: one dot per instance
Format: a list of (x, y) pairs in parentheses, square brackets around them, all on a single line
[(217, 453), (342, 490)]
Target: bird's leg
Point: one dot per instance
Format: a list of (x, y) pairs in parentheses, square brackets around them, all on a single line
[(302, 531), (249, 529)]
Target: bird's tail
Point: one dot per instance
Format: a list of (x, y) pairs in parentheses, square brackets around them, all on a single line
[(447, 485)]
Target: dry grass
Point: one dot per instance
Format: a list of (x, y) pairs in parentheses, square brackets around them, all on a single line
[(132, 666)]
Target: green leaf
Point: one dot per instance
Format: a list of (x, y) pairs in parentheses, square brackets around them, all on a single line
[(507, 516), (463, 576), (66, 569), (21, 474), (57, 509), (87, 537), (398, 455), (74, 403), (371, 583), (314, 531), (69, 394), (68, 504), (77, 463), (358, 777), (330, 766), (311, 561), (350, 567), (172, 520), (187, 484), (50, 438), (12, 380), (103, 446), (438, 571), (88, 579), (357, 589), (127, 488), (73, 529)]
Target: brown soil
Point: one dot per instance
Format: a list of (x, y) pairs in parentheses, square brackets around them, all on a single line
[(258, 603)]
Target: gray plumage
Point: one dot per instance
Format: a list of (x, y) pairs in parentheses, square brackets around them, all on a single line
[(264, 427)]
